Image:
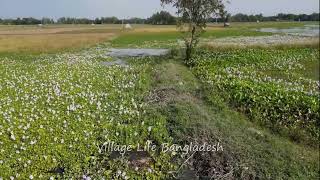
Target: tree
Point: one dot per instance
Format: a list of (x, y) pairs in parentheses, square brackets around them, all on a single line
[(135, 20), (97, 21), (225, 16), (163, 18), (193, 18), (110, 20), (47, 21)]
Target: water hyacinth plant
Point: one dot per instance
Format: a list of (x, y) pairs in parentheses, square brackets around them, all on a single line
[(275, 87), (56, 110)]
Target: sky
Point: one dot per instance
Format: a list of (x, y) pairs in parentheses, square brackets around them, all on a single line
[(139, 8)]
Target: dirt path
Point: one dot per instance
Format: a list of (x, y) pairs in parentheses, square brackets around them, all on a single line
[(196, 116), (178, 95)]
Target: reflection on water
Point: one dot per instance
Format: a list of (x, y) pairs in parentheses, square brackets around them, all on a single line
[(307, 30)]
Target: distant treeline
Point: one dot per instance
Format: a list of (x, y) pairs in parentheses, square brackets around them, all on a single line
[(160, 18), (280, 17)]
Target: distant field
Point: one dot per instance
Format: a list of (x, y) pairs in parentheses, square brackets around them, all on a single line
[(50, 42), (269, 24), (53, 38), (155, 38)]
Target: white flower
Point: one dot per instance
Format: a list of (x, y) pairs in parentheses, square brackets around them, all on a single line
[(33, 142), (13, 137), (149, 128), (99, 104), (119, 172), (30, 177), (86, 177)]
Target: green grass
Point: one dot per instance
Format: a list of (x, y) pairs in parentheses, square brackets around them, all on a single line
[(312, 70), (195, 114), (169, 39), (138, 38)]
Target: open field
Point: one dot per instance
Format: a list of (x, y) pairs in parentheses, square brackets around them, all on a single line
[(59, 104), (54, 38), (46, 43)]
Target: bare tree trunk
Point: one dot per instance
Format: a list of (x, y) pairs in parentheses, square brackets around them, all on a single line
[(189, 45), (188, 52)]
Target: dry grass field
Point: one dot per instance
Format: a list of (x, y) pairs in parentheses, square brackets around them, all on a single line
[(50, 42), (54, 38), (51, 38)]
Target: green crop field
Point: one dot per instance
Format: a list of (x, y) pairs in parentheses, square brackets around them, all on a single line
[(60, 104)]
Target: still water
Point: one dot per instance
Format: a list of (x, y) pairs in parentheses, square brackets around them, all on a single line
[(307, 30)]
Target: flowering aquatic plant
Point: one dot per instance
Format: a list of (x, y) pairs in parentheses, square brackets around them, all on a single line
[(272, 86)]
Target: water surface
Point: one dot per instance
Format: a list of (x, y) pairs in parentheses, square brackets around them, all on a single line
[(137, 52), (118, 54), (307, 30)]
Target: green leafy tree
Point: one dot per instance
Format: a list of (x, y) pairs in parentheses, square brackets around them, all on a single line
[(162, 18), (193, 18), (47, 21)]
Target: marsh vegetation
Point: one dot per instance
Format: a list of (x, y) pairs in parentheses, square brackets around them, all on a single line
[(59, 103)]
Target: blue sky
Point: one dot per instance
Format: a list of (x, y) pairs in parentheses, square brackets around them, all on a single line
[(138, 8)]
